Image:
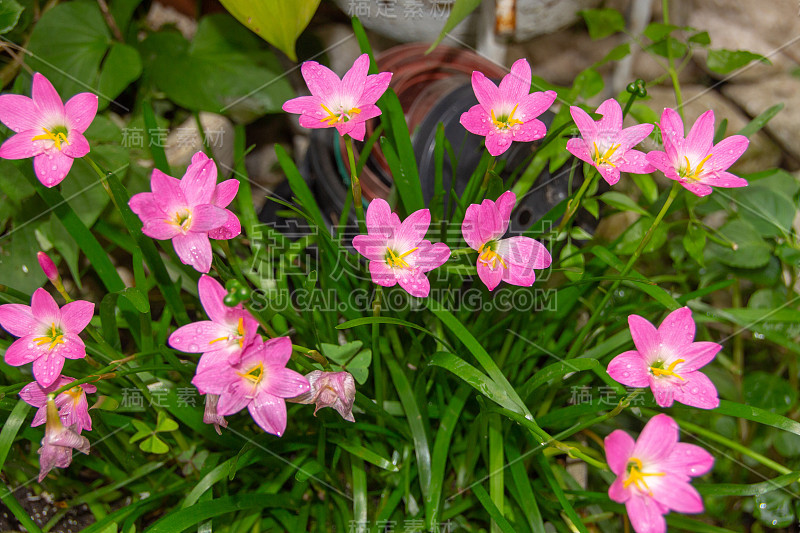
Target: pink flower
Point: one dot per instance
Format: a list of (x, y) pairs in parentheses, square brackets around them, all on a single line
[(653, 473), (58, 443), (48, 267), (667, 360), (47, 334), (223, 338), (330, 389), (259, 381), (210, 415), (189, 211), (695, 161), (606, 145), (46, 129), (507, 113), (511, 260), (398, 252), (73, 407), (345, 104)]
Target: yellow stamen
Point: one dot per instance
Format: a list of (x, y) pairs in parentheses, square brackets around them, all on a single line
[(636, 476), (240, 330), (669, 371), (487, 255), (333, 118), (75, 392), (54, 339), (507, 123), (397, 260), (694, 174), (57, 137), (255, 374), (605, 158), (218, 339)]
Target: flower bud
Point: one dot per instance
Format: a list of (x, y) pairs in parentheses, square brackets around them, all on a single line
[(210, 415), (330, 389), (58, 442), (48, 267)]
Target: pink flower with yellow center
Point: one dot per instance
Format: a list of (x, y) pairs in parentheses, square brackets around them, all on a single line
[(58, 442), (189, 211), (47, 334), (223, 338), (344, 104), (46, 129), (397, 251), (512, 260), (606, 145), (73, 407), (507, 113), (667, 360), (260, 381), (696, 162), (654, 473)]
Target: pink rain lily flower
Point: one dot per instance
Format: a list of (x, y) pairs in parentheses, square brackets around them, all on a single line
[(223, 338), (58, 443), (189, 211), (606, 145), (397, 251), (344, 104), (46, 129), (511, 260), (654, 473), (667, 360), (330, 389), (696, 162), (210, 415), (73, 407), (507, 113), (48, 266), (47, 334), (259, 381)]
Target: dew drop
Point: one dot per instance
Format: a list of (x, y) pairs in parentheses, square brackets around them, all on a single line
[(695, 390), (193, 347), (54, 167)]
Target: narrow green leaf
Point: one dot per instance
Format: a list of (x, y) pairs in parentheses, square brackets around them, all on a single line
[(752, 489), (475, 378), (11, 427), (569, 511), (156, 148), (459, 11), (183, 519), (363, 453), (761, 120), (622, 202)]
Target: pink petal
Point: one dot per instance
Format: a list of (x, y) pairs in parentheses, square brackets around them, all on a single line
[(321, 80), (657, 439), (619, 448), (358, 131), (701, 136), (697, 391), (77, 146), (236, 396), (725, 180), (303, 104), (522, 276), (486, 91), (700, 189), (22, 145), (726, 152), (629, 369), (671, 124), (498, 141), (505, 204), (697, 355), (144, 205), (476, 120), (645, 337), (230, 229), (530, 130), (18, 353), (470, 228), (412, 230), (46, 369), (51, 169), (534, 104), (46, 98), (431, 256), (490, 224), (610, 174), (33, 394), (645, 515), (379, 218), (17, 319), (663, 390), (211, 293), (677, 494), (194, 249), (617, 491), (314, 121), (206, 217), (166, 191), (372, 247), (374, 88), (269, 412), (524, 251), (612, 116), (285, 383), (72, 348), (678, 329), (160, 229), (44, 307), (76, 315), (586, 126), (81, 110), (225, 192), (413, 281), (659, 160), (199, 337), (18, 112), (577, 147), (40, 417), (688, 460), (630, 137), (490, 278), (381, 273), (278, 351), (354, 80), (212, 378), (516, 83), (635, 162), (199, 182)]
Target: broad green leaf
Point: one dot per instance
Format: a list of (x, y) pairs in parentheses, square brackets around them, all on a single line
[(590, 83), (623, 202), (617, 53), (10, 10), (668, 45), (633, 236), (751, 250), (647, 185), (19, 267), (725, 61), (769, 392), (571, 261), (153, 444), (165, 423), (694, 241), (341, 354), (142, 430), (770, 213), (655, 31), (701, 38), (603, 22), (460, 10), (774, 509), (122, 67), (279, 22)]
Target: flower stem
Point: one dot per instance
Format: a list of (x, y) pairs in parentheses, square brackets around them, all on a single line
[(355, 185), (596, 314), (673, 73), (575, 203)]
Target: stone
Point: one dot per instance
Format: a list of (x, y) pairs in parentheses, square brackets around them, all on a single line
[(185, 140)]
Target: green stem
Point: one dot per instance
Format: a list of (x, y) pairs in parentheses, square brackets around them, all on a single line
[(377, 370), (629, 104), (576, 345), (355, 184), (575, 203)]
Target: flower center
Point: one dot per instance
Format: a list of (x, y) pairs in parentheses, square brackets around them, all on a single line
[(605, 158), (342, 116), (255, 374), (55, 338), (637, 477), (58, 135), (239, 335), (658, 369), (397, 261), (182, 218), (693, 174), (75, 392), (489, 256), (505, 122)]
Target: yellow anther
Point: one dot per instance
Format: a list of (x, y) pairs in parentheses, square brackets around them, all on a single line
[(57, 137), (254, 374), (487, 255), (694, 174), (669, 371), (333, 118), (508, 122), (54, 339), (397, 260), (636, 476), (605, 158)]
